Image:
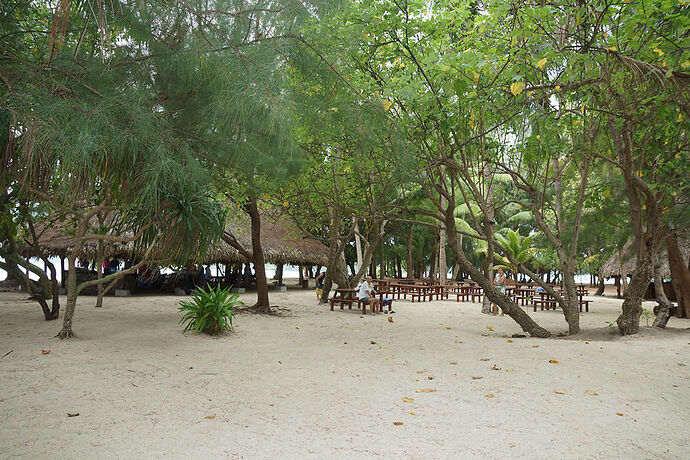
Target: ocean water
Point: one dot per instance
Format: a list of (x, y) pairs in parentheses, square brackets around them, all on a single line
[(289, 271)]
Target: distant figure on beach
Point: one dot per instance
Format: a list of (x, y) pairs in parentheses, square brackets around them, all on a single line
[(367, 295), (320, 279), (500, 283), (319, 283)]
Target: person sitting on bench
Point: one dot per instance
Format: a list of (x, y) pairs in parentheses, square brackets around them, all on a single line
[(367, 295)]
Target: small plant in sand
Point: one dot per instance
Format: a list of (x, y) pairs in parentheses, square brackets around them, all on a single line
[(210, 310), (646, 312)]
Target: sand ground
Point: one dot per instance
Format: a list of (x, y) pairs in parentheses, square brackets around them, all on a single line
[(313, 384)]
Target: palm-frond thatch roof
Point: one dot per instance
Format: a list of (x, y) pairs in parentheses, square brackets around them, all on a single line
[(281, 239), (282, 242), (614, 266)]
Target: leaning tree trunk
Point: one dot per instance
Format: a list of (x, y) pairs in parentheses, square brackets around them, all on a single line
[(680, 277), (507, 305)]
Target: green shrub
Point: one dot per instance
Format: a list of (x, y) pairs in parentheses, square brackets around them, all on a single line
[(210, 310)]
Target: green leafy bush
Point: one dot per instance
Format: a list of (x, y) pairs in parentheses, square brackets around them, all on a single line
[(210, 310)]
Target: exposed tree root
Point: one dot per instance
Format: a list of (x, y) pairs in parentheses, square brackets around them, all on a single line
[(66, 333), (266, 310)]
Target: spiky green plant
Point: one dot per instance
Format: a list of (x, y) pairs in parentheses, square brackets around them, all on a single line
[(210, 310), (519, 248)]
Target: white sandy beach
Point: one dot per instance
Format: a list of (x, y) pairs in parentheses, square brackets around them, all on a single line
[(313, 384)]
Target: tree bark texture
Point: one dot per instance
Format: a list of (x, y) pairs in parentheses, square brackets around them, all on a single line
[(680, 277), (67, 332), (664, 307), (262, 302)]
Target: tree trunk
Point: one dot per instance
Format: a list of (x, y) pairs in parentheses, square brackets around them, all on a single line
[(600, 289), (629, 320), (63, 274), (617, 281), (382, 269), (410, 270), (99, 275), (358, 244), (67, 332), (399, 267), (680, 277), (507, 305), (54, 286), (262, 303), (433, 262), (336, 272), (664, 308)]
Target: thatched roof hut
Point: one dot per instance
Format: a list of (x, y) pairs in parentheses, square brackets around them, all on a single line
[(55, 241), (281, 239), (614, 267)]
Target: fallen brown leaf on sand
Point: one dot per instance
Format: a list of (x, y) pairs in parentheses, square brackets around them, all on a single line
[(509, 341), (210, 417), (426, 390), (484, 359), (45, 352), (407, 400), (535, 346), (490, 395), (681, 364), (397, 423), (490, 328), (494, 368), (420, 372), (448, 328), (373, 343), (477, 378), (390, 320), (430, 378), (454, 363), (591, 393), (554, 361), (75, 414), (559, 392), (620, 414)]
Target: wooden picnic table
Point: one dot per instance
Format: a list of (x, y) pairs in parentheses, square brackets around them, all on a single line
[(346, 296), (547, 301)]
